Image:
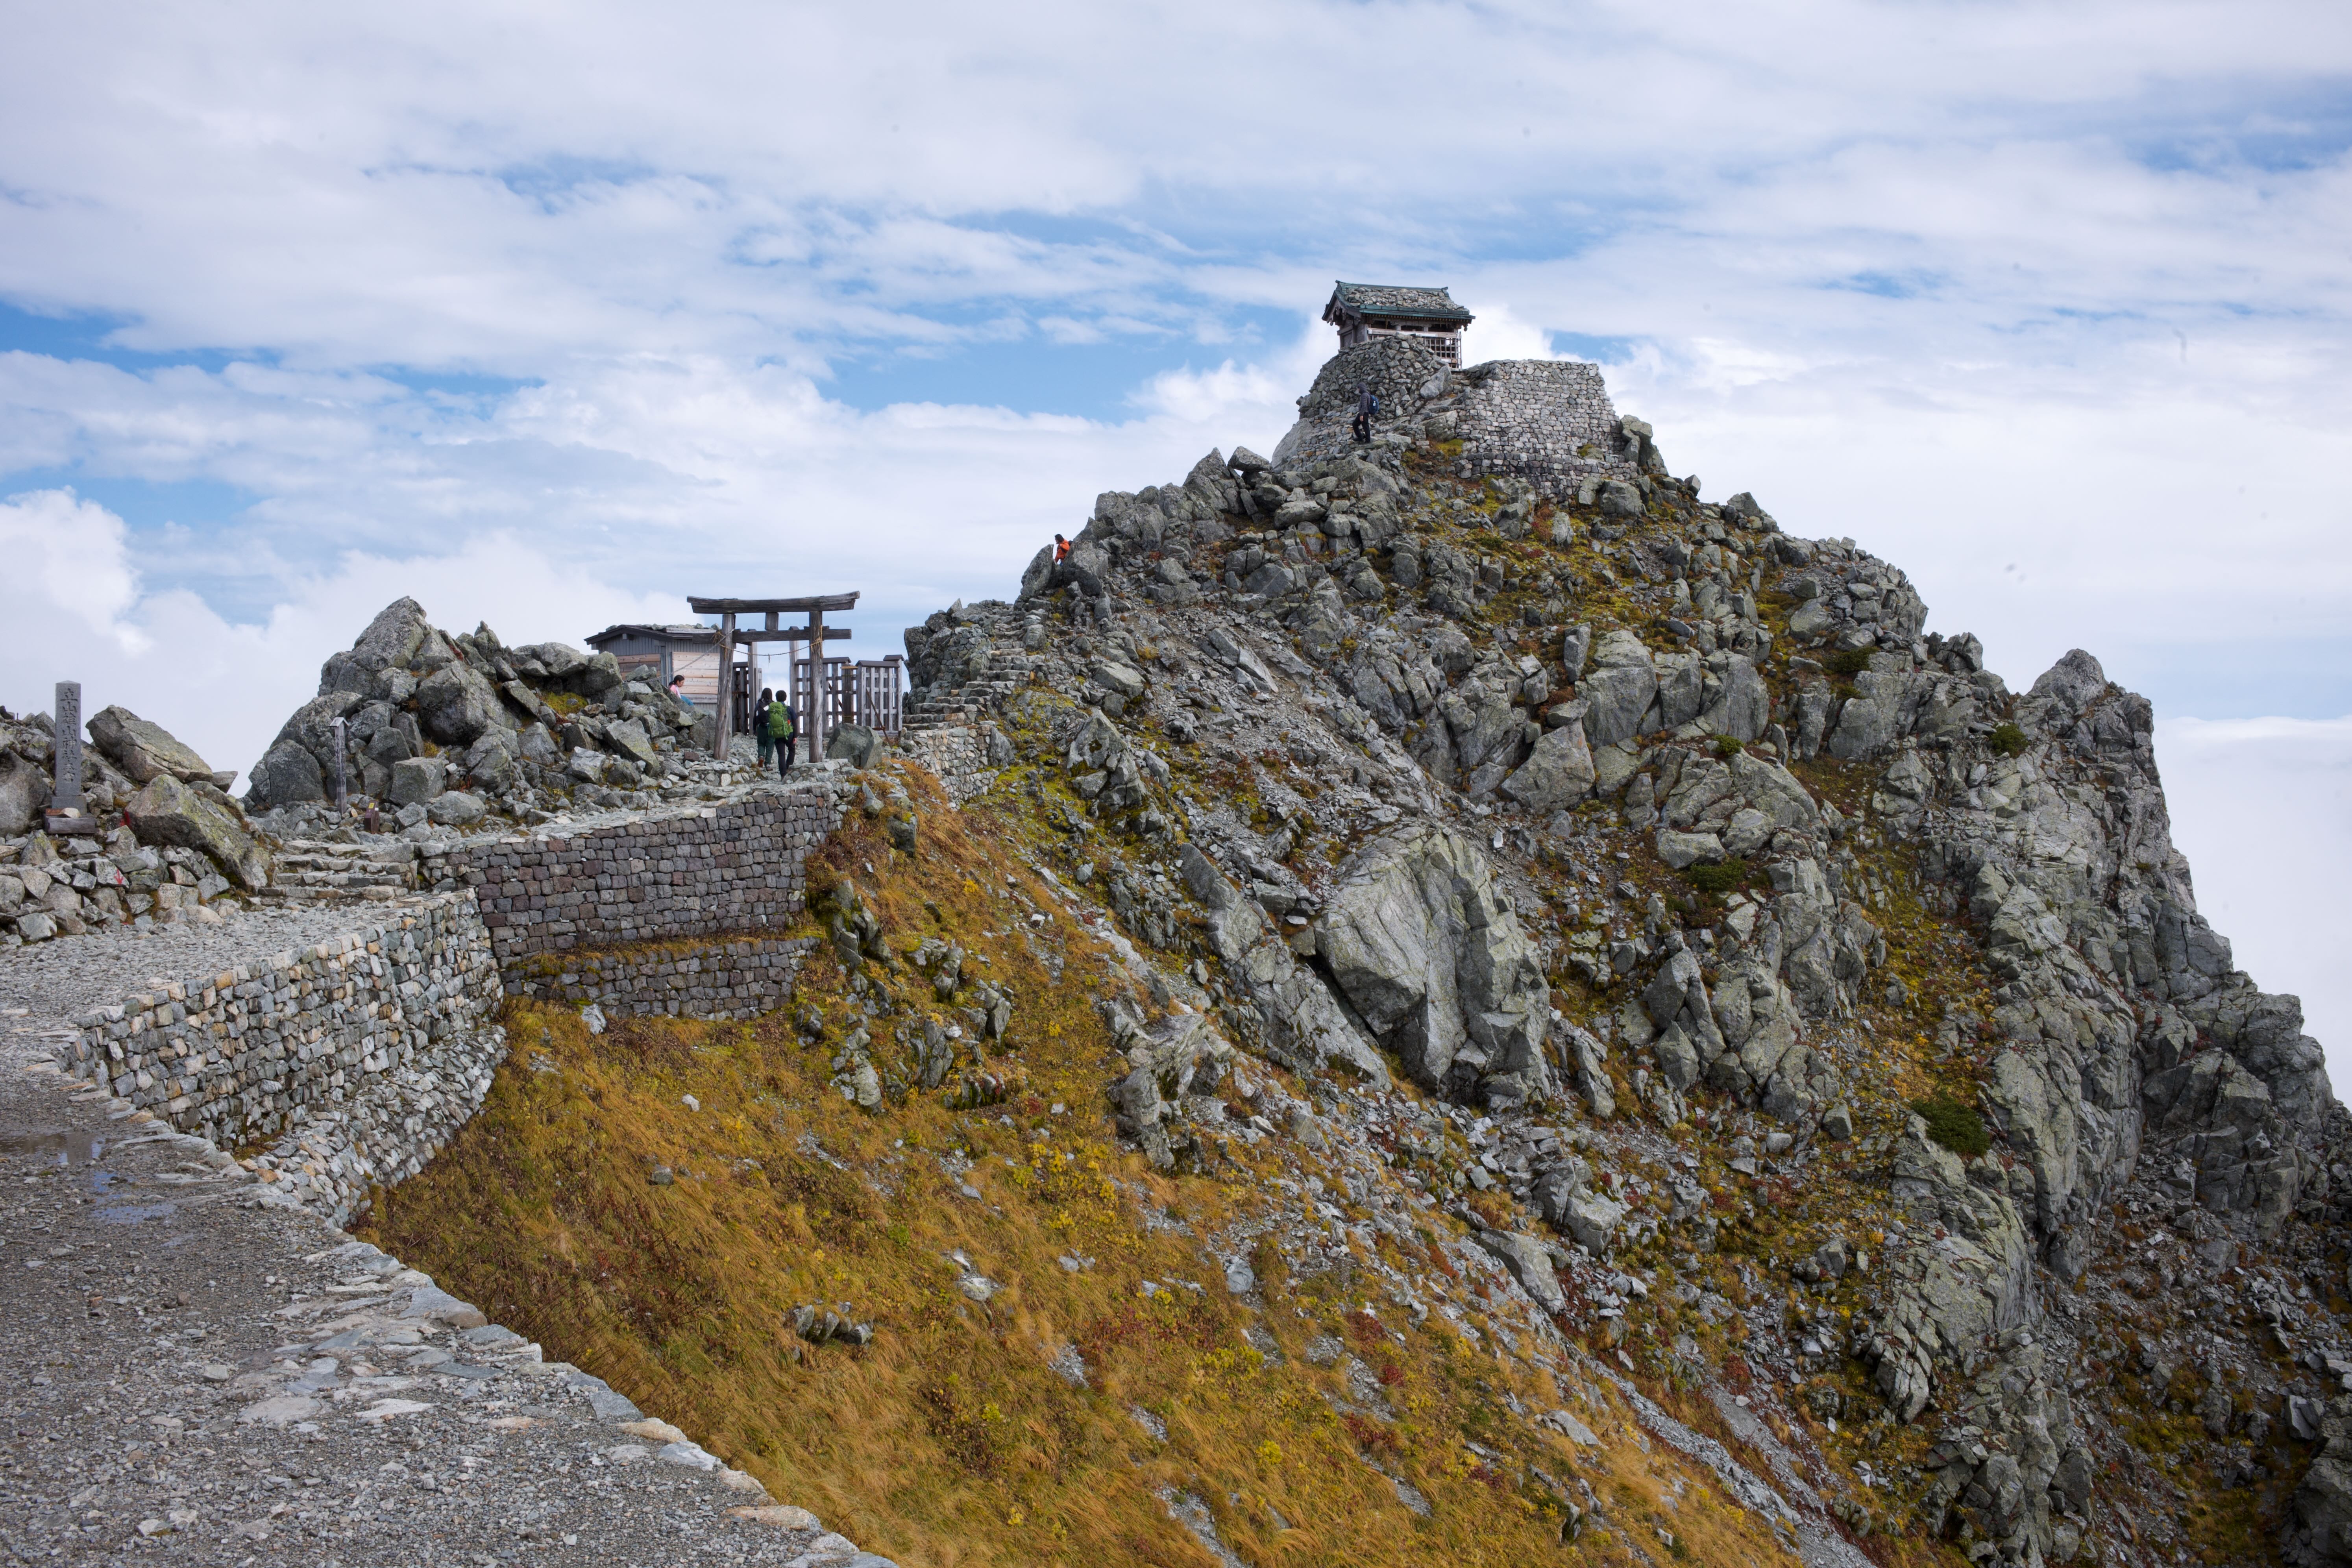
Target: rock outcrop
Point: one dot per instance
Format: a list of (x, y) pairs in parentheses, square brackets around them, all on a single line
[(451, 730), (170, 841), (1486, 756)]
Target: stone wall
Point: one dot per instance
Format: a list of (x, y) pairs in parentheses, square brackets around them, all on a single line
[(1545, 420), (962, 756), (1402, 374), (697, 872), (363, 1056), (739, 978), (367, 1051)]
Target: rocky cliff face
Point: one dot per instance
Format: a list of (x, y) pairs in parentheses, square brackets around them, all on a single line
[(1489, 758)]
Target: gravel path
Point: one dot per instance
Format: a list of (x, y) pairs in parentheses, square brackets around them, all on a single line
[(43, 987), (199, 1376)]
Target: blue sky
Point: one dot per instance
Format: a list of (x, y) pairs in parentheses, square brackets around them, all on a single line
[(553, 319)]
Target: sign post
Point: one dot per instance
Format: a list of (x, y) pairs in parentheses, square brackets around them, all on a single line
[(65, 814)]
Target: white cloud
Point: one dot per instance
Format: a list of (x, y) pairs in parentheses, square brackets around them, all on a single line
[(1500, 333), (225, 688), (2263, 808), (67, 555)]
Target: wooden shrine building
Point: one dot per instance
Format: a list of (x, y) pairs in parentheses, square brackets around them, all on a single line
[(1428, 316)]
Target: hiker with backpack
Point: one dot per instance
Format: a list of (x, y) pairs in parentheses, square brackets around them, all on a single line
[(780, 729), (759, 726)]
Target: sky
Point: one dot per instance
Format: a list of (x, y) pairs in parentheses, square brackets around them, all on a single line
[(550, 316)]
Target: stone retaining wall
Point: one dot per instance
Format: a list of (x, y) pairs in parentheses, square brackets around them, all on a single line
[(959, 754), (1545, 420), (699, 871), (1549, 421), (371, 1048), (741, 977), (363, 1056)]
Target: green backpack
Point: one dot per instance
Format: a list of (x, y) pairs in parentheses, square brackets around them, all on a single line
[(780, 721)]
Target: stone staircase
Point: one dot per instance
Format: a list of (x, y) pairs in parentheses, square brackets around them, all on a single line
[(311, 870), (1010, 668)]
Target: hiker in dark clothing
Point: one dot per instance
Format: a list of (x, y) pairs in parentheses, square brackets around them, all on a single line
[(759, 726), (780, 727), (1366, 406)]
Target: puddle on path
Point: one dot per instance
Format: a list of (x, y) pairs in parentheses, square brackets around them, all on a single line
[(50, 1148), (131, 1214)]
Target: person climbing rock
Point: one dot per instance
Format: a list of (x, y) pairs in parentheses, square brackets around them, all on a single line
[(1366, 406)]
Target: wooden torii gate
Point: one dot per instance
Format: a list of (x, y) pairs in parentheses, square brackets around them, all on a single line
[(816, 634)]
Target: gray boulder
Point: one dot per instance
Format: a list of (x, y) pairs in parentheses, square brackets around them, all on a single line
[(1592, 1220), (417, 781), (628, 737), (1419, 941), (144, 749), (1575, 647), (1741, 705), (1306, 1029), (595, 677), (1529, 1264), (26, 788), (1177, 1068), (1619, 499), (457, 703), (556, 661), (179, 815), (1881, 712), (1235, 923), (490, 761), (1617, 693), (1112, 676), (1558, 773), (853, 744), (286, 775), (1681, 849), (457, 808), (393, 637), (2321, 1529), (1774, 791)]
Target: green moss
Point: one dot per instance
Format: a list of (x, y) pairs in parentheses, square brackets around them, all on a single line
[(1956, 1126), (1850, 663), (1718, 879), (1728, 746), (2009, 739)]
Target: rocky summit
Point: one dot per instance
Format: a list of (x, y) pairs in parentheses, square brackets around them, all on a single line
[(1433, 1000)]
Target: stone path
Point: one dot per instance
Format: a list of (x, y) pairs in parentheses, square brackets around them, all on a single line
[(198, 1374)]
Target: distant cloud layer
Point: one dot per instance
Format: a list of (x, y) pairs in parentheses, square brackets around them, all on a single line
[(551, 316)]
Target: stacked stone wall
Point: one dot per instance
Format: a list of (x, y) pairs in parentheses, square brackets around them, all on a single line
[(1546, 421), (741, 977), (1549, 421), (959, 754), (373, 1047), (362, 1056), (735, 868)]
